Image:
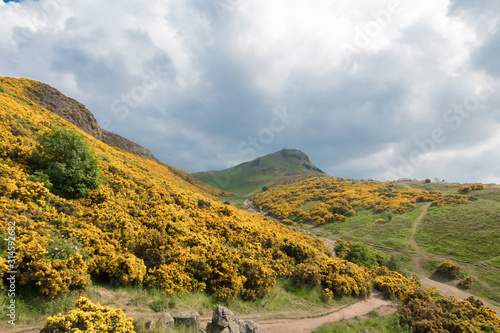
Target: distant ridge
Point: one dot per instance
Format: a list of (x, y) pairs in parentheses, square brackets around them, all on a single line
[(248, 177)]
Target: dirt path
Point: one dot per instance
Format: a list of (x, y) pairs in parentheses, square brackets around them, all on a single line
[(416, 258), (250, 207), (306, 325)]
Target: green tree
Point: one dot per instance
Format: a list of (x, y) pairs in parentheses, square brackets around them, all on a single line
[(66, 158), (363, 255)]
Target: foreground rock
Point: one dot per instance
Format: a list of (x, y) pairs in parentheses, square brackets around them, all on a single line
[(166, 320), (189, 319), (224, 321)]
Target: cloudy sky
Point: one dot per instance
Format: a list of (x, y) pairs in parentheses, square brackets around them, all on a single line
[(380, 89)]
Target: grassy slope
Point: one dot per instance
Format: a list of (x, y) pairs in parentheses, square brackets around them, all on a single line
[(467, 234)]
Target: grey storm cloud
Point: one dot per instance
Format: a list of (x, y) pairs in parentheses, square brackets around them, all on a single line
[(380, 89)]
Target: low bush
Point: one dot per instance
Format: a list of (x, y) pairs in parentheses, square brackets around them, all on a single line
[(88, 318), (466, 282), (449, 270), (468, 188), (447, 314)]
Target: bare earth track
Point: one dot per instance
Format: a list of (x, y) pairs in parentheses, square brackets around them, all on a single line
[(307, 325)]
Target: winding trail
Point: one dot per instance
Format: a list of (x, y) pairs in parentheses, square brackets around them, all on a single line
[(416, 258), (306, 325)]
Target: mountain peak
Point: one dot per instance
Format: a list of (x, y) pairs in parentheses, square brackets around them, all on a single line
[(263, 171), (294, 154), (287, 161)]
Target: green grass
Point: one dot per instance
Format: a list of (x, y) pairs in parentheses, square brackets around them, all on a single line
[(374, 324), (465, 232), (2, 90), (490, 192), (491, 288), (392, 234), (495, 262), (310, 205), (445, 188), (285, 295)]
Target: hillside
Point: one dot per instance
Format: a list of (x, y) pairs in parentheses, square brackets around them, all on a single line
[(247, 178), (145, 224), (420, 223)]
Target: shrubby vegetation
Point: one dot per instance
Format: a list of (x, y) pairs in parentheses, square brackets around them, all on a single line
[(328, 199), (360, 254), (89, 317), (374, 324), (468, 188), (449, 270), (425, 310), (65, 164), (447, 314)]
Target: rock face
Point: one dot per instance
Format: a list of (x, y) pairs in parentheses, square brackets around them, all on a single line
[(114, 140), (224, 321), (66, 108), (76, 113), (189, 319)]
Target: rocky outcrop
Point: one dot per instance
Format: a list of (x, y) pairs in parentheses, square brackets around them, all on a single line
[(77, 114), (164, 325), (114, 140), (224, 321), (66, 108)]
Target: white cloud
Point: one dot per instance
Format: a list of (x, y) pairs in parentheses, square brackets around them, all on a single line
[(365, 79)]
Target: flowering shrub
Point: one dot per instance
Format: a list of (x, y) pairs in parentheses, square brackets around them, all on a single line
[(425, 310), (88, 317), (466, 282), (342, 247), (146, 224), (395, 286), (449, 269), (58, 277), (447, 314), (334, 199)]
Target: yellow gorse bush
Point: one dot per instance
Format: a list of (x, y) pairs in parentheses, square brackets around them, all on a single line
[(144, 224), (88, 317), (334, 199), (425, 310)]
